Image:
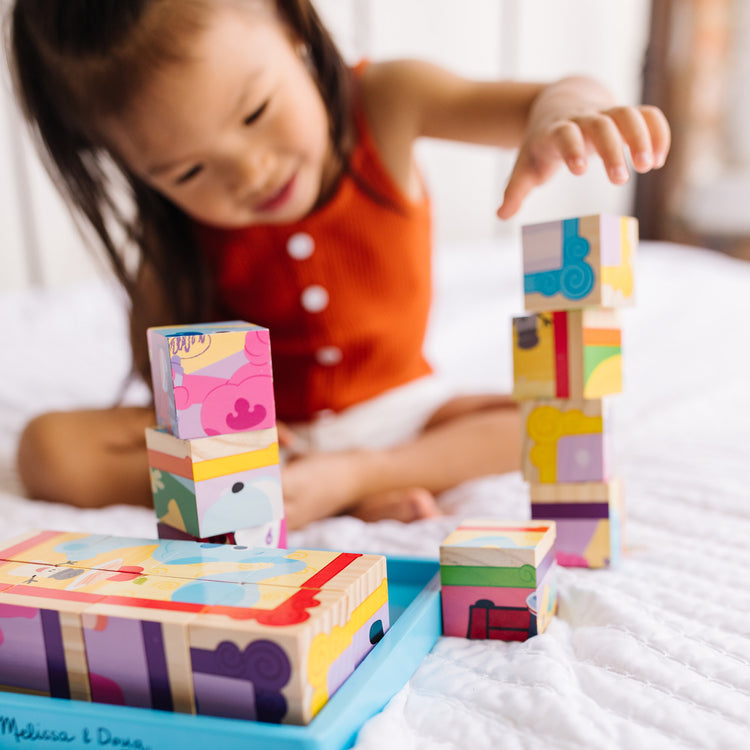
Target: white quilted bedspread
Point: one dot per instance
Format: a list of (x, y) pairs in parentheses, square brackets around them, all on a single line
[(654, 654)]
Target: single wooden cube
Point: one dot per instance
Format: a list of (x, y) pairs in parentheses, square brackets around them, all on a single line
[(498, 579), (589, 520), (212, 379), (566, 441), (570, 354), (579, 262), (205, 487)]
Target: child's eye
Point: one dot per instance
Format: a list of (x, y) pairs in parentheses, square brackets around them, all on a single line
[(252, 117), (187, 176)]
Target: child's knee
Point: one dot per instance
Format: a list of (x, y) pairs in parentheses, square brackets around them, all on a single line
[(52, 463)]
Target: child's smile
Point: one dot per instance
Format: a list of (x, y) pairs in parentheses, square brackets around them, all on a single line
[(237, 132)]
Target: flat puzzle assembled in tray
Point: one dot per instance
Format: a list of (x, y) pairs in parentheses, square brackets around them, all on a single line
[(214, 458), (262, 634), (567, 363)]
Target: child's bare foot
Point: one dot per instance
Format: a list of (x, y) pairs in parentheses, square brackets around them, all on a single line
[(406, 505), (319, 485)]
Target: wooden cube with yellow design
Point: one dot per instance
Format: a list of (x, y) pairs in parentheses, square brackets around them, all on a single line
[(498, 579), (566, 440), (209, 486), (579, 262), (262, 634), (570, 354)]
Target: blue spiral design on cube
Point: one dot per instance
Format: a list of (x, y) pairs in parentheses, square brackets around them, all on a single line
[(575, 280)]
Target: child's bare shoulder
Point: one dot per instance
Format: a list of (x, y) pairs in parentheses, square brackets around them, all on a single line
[(398, 86), (388, 93)]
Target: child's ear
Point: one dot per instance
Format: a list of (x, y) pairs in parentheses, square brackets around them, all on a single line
[(305, 54)]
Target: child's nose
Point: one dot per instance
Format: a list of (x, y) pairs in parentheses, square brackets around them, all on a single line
[(250, 172)]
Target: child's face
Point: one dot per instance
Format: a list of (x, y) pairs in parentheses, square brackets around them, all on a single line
[(236, 135)]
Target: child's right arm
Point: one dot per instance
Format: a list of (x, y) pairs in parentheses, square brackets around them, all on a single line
[(560, 124)]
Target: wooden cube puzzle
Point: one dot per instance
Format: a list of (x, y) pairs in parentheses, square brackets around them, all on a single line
[(577, 263), (565, 441), (498, 579), (571, 354), (263, 634), (588, 519), (212, 379), (205, 487)]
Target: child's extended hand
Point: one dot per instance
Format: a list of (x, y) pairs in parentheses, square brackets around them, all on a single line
[(573, 119)]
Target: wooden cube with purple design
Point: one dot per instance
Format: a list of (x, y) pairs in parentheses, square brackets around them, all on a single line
[(498, 579), (589, 520)]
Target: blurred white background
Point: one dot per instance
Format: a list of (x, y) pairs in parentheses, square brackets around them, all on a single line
[(522, 39)]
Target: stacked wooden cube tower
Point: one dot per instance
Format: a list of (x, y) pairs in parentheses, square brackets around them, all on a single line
[(249, 633), (498, 579), (214, 458), (567, 365)]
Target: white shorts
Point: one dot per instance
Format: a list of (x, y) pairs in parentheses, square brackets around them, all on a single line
[(392, 418)]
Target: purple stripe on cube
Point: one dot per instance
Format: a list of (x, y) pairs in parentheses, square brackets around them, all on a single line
[(59, 687), (156, 660), (553, 511)]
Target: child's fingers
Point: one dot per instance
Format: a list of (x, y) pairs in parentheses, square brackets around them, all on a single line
[(289, 439), (568, 143), (522, 181), (637, 135), (658, 127), (605, 138), (537, 162)]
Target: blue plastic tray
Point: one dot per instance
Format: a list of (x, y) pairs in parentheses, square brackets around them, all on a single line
[(413, 592)]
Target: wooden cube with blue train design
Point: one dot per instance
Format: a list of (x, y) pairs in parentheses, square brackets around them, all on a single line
[(214, 458), (261, 634), (571, 354), (589, 521), (498, 579), (579, 262)]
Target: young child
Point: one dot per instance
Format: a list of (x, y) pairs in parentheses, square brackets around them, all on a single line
[(271, 183)]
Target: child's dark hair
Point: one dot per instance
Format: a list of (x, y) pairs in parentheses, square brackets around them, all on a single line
[(74, 61)]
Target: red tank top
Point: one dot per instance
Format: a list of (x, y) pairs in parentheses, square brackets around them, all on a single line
[(345, 291)]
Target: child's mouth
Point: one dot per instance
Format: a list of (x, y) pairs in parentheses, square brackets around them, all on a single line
[(279, 198)]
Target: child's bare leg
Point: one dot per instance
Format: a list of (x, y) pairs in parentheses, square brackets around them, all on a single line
[(469, 437), (87, 458)]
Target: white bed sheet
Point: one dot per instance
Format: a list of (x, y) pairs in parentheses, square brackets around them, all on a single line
[(653, 654)]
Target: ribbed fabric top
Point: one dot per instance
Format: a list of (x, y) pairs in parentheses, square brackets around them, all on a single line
[(345, 291)]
